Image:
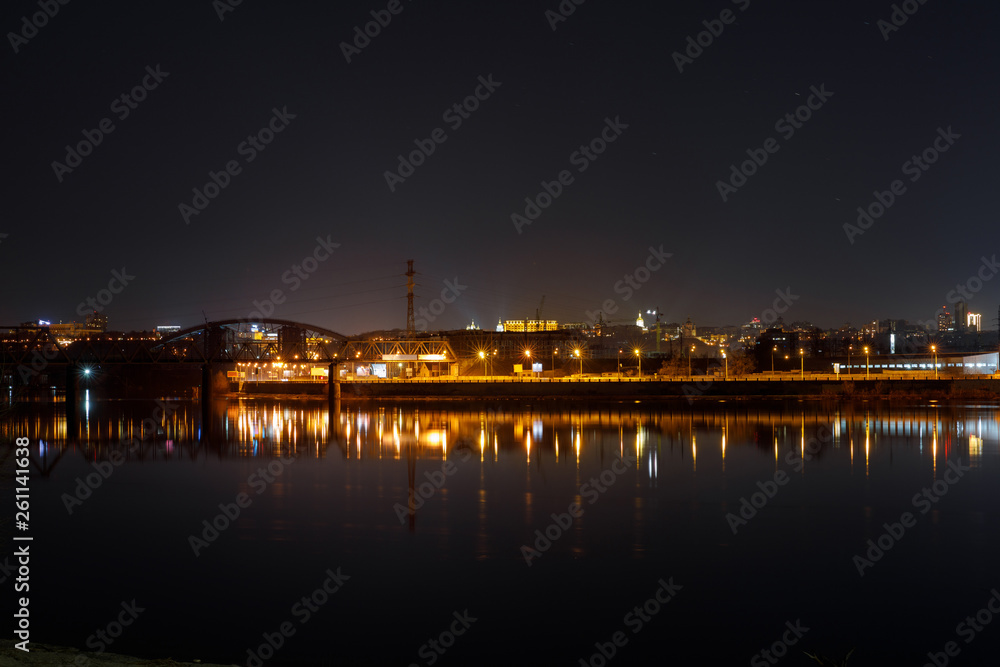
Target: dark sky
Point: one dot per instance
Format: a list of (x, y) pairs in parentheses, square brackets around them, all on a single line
[(656, 185)]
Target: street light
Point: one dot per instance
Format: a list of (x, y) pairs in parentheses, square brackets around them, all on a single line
[(772, 358), (577, 353), (849, 348), (619, 364), (867, 364), (482, 355), (726, 359), (690, 375), (802, 359), (934, 350), (637, 355)]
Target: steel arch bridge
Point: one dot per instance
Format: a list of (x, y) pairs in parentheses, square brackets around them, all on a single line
[(220, 341), (263, 340)]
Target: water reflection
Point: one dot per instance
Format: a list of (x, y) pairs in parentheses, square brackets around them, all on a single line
[(655, 434), (363, 491)]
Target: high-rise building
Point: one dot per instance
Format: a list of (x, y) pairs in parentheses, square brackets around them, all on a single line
[(944, 321), (974, 322), (961, 316)]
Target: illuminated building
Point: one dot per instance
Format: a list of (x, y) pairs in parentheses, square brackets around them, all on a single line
[(521, 326)]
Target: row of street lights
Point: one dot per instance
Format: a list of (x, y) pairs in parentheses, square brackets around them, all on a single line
[(802, 363)]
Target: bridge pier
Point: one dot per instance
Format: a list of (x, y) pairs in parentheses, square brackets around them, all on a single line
[(72, 423), (206, 399), (333, 384), (333, 397)]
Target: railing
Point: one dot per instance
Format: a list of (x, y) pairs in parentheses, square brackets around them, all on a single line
[(503, 379)]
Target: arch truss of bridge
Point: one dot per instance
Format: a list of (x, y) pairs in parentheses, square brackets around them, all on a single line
[(224, 341)]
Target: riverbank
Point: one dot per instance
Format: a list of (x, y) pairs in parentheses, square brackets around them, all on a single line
[(45, 655), (978, 387)]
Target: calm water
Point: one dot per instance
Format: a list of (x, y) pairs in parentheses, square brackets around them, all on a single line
[(656, 490)]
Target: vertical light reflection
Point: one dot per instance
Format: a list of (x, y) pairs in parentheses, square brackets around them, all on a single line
[(802, 443), (975, 450), (723, 450), (934, 451), (694, 452), (868, 441)]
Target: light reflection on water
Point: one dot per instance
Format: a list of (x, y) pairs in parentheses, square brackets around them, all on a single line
[(349, 500)]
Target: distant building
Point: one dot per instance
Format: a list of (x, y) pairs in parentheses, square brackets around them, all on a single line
[(639, 322), (944, 321), (66, 332), (688, 329), (472, 327), (165, 330), (961, 316), (499, 326), (97, 321), (529, 326), (974, 322)]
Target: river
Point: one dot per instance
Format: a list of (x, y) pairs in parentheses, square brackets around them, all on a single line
[(501, 533)]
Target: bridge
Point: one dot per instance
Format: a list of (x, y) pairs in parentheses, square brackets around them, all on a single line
[(41, 357), (226, 341)]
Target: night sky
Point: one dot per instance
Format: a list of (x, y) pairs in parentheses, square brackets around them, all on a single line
[(216, 78)]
